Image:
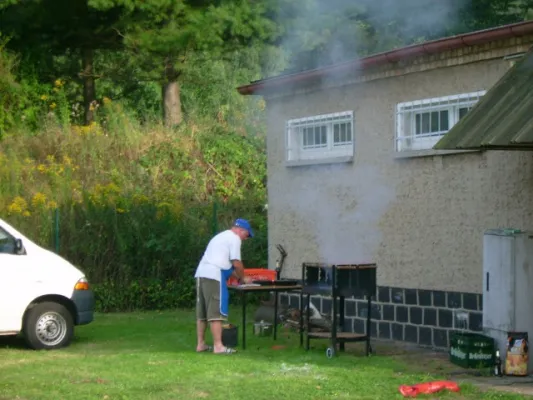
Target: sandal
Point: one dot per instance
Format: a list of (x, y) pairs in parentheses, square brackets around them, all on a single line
[(207, 348), (227, 350)]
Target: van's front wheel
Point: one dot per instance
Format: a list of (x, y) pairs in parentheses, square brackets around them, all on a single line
[(48, 326)]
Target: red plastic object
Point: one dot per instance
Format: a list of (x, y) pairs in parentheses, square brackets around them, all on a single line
[(257, 274), (428, 388)]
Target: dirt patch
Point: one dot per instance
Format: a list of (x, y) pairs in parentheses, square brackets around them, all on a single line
[(95, 380), (517, 385), (10, 363), (12, 398), (163, 362)]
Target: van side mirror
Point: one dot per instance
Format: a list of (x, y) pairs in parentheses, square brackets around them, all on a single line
[(19, 247)]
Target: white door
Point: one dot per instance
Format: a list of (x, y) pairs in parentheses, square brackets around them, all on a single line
[(498, 282), (16, 286)]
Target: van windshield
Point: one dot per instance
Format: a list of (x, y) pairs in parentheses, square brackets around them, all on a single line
[(7, 242)]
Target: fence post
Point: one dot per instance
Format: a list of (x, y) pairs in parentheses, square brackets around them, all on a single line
[(56, 230), (215, 218)]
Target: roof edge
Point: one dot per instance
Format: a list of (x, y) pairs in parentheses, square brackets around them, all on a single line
[(430, 47)]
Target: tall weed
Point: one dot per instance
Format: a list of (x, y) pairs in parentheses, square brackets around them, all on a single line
[(135, 201)]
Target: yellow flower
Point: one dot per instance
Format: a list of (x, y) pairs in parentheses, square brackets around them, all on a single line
[(53, 105), (51, 205), (59, 83), (112, 188), (41, 168), (106, 100), (164, 204), (44, 97), (18, 206), (39, 199), (92, 128), (77, 196), (26, 214), (140, 199), (67, 161)]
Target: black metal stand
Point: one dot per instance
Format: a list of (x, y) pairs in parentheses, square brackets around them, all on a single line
[(337, 291), (257, 289), (335, 337)]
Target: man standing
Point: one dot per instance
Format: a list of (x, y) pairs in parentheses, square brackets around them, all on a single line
[(221, 259)]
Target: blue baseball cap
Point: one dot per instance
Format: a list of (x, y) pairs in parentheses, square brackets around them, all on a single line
[(242, 223)]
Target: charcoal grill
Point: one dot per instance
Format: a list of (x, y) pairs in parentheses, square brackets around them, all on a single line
[(337, 281), (279, 267)]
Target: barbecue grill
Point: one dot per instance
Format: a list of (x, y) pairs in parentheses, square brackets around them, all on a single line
[(279, 267), (337, 281)]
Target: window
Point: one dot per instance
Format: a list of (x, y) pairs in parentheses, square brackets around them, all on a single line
[(320, 137), (7, 242), (420, 124)]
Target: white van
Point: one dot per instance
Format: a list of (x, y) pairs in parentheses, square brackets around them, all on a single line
[(42, 296)]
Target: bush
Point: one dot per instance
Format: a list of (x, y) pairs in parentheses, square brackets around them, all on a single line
[(137, 202), (136, 208), (151, 294)]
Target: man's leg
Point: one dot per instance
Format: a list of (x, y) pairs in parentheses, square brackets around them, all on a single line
[(214, 316), (201, 327), (201, 317), (216, 331)]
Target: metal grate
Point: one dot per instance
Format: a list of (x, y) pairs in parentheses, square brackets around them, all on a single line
[(320, 136), (421, 123)]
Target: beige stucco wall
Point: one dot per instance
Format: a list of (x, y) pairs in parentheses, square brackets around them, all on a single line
[(420, 219)]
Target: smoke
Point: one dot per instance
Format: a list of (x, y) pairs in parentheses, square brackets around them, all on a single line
[(324, 32), (333, 212), (338, 208)]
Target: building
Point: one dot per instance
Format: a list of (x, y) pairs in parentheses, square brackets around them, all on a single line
[(353, 177)]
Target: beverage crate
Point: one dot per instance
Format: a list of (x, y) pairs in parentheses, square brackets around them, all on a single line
[(471, 350)]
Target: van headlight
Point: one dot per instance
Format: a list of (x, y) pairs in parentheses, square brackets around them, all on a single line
[(82, 284)]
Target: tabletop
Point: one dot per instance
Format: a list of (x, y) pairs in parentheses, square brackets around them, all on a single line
[(261, 288)]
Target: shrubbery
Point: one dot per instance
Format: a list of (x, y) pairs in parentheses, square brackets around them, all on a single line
[(137, 202)]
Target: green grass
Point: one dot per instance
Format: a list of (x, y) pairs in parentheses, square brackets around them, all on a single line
[(152, 356)]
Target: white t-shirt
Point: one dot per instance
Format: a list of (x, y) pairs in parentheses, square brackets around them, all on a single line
[(222, 248)]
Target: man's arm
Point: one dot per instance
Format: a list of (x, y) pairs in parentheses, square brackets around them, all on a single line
[(239, 269), (238, 272)]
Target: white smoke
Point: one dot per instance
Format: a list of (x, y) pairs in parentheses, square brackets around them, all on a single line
[(341, 30), (340, 206), (334, 208)]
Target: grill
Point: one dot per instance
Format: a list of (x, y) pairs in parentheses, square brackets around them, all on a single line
[(278, 281), (337, 281)]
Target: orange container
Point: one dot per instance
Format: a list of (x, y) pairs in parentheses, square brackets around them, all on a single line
[(257, 274)]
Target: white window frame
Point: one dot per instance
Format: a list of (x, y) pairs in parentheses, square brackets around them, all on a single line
[(297, 151), (407, 139)]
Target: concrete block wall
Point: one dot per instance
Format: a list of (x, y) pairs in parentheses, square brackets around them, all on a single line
[(424, 317)]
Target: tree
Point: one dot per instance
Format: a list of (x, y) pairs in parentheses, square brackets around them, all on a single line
[(163, 35), (320, 32), (483, 14), (55, 27)]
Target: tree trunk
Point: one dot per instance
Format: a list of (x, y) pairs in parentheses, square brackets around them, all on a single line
[(89, 87), (172, 113)]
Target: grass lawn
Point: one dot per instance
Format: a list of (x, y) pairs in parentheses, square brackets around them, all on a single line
[(152, 356)]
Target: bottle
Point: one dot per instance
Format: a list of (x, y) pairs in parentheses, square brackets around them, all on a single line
[(498, 364)]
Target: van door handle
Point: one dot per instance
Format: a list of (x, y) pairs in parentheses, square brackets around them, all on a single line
[(488, 276)]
